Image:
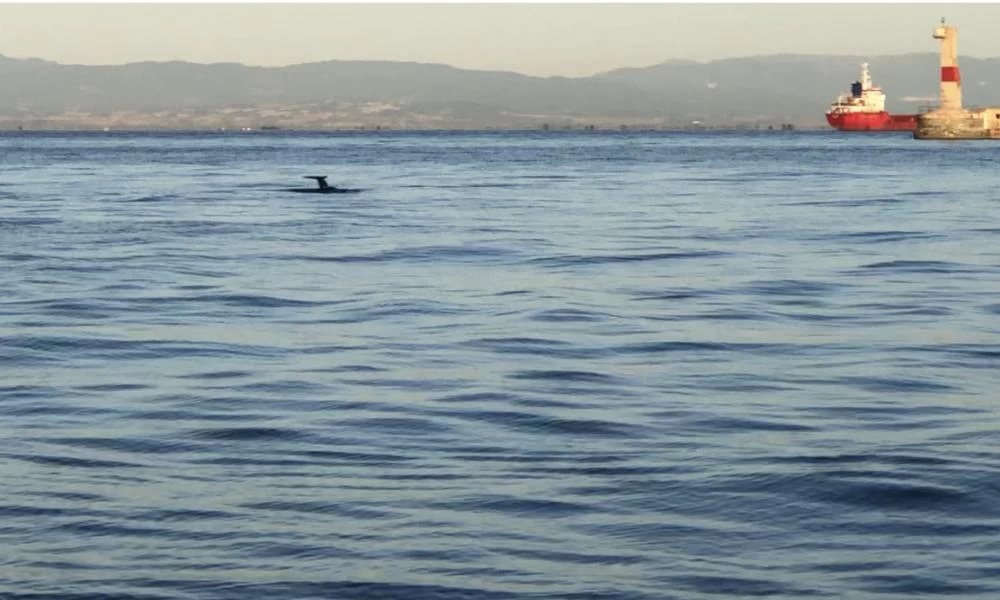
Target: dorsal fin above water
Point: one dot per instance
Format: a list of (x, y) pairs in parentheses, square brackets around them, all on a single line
[(320, 179)]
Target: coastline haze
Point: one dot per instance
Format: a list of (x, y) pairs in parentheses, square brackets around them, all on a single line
[(541, 40)]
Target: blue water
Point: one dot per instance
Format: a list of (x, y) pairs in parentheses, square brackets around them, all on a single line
[(565, 365)]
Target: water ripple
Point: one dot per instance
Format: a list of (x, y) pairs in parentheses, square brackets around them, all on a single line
[(535, 365)]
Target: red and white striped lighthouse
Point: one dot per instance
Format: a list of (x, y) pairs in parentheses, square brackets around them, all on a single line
[(951, 79)]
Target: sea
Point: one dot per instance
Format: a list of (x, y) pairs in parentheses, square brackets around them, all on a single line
[(574, 365)]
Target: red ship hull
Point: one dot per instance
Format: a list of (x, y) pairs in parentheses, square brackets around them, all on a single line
[(871, 121)]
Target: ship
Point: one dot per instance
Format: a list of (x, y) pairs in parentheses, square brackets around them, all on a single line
[(863, 109)]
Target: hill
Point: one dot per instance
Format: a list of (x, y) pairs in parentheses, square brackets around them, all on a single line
[(751, 91)]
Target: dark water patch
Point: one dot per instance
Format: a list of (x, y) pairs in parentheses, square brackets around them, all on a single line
[(410, 385), (397, 309), (214, 375), (794, 287), (73, 496), (398, 425), (292, 551), (852, 566), (600, 472), (195, 287), (86, 268), (530, 422), (513, 293), (923, 460), (576, 558), (17, 511), (64, 595), (106, 528), (905, 309), (492, 185), (646, 295), (930, 526), (551, 177), (20, 257), (565, 376), (984, 354), (463, 555), (349, 369), (498, 230), (19, 222), (248, 434), (721, 425), (126, 349), (847, 459), (195, 413), (237, 300), (738, 382), (58, 411), (536, 346), (185, 515), (567, 261), (354, 458), (910, 585), (880, 237), (743, 315), (924, 193), (966, 359), (114, 387), (257, 460), (889, 412), (887, 384), (568, 315), (320, 507), (646, 536), (739, 586), (74, 462), (522, 507), (318, 588), (915, 266), (479, 398), (28, 392), (505, 457), (152, 199), (290, 386), (543, 403), (813, 317), (706, 347), (422, 477), (898, 496), (852, 203), (129, 445), (329, 348), (58, 565), (89, 309), (415, 254)]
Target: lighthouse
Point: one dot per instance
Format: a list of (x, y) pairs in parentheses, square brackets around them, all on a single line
[(950, 121), (951, 79)]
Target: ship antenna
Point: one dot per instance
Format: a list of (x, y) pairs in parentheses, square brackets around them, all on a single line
[(866, 77)]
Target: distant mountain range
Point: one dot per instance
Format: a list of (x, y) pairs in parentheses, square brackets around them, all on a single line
[(740, 92)]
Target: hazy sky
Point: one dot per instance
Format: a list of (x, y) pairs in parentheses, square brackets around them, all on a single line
[(535, 39)]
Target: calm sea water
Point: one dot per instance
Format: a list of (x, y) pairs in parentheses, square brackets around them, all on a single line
[(579, 366)]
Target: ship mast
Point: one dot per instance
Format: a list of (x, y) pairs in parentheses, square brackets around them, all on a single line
[(866, 77)]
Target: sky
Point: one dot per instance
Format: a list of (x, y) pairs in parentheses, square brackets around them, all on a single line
[(571, 40)]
